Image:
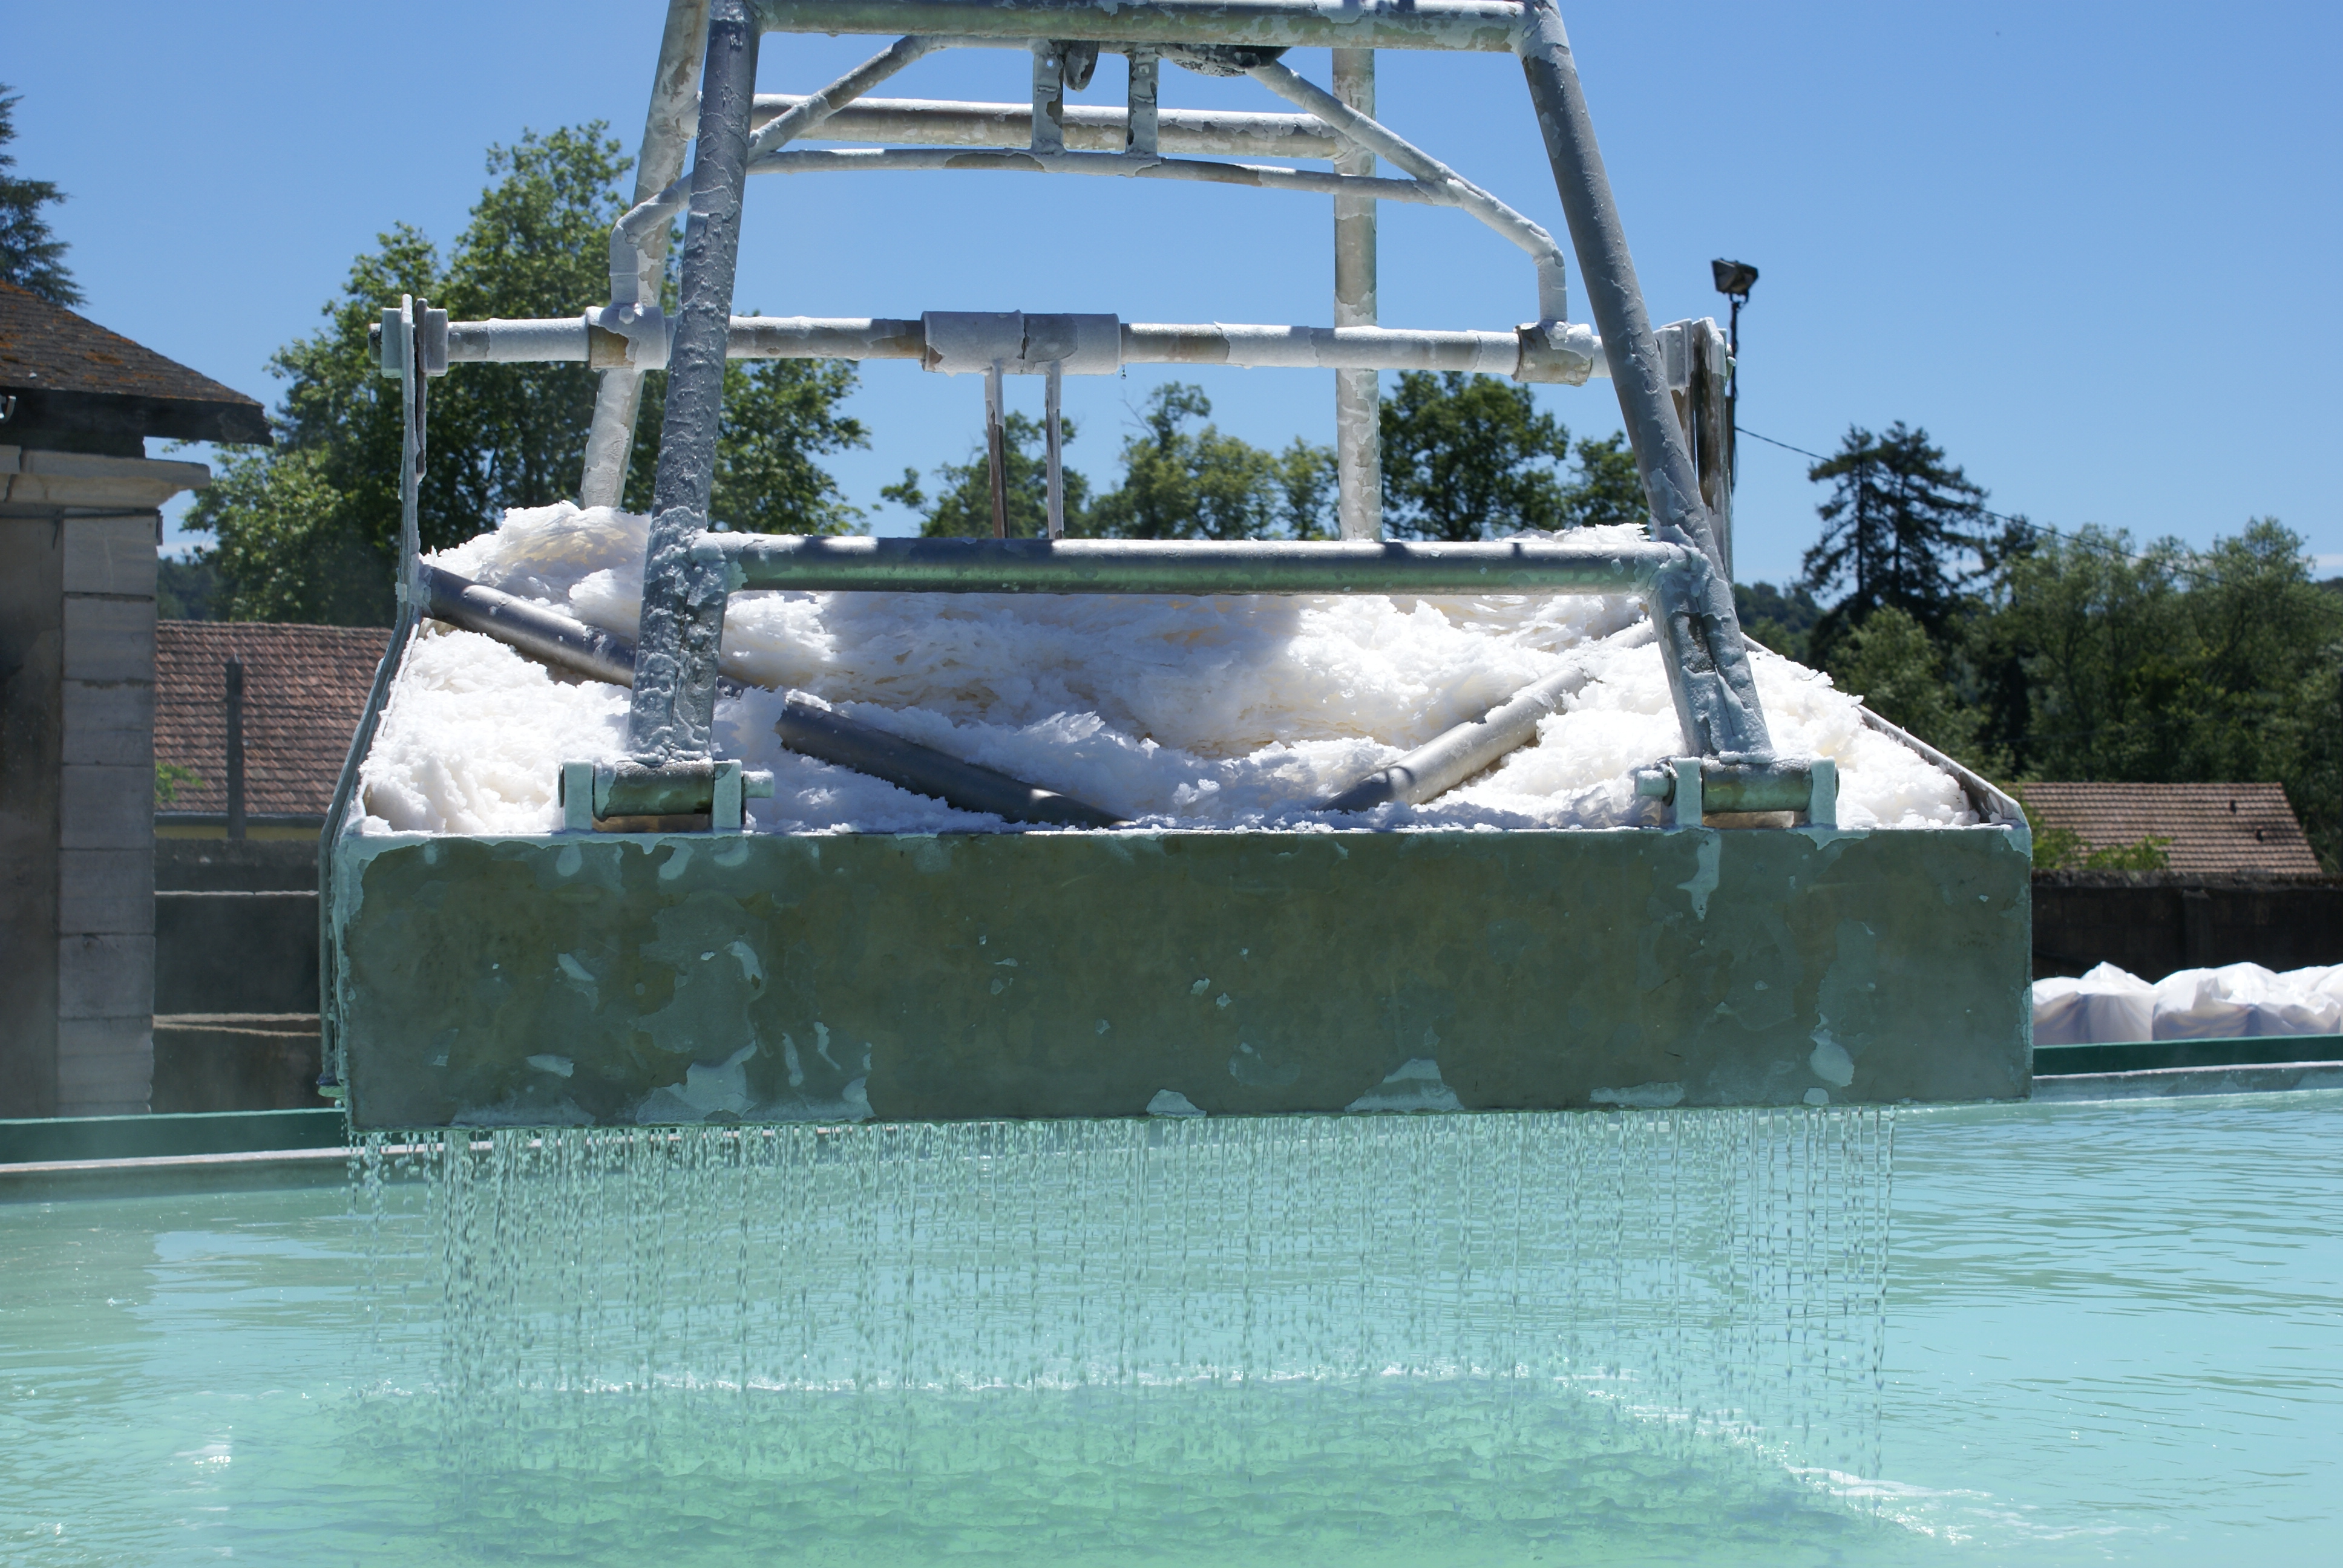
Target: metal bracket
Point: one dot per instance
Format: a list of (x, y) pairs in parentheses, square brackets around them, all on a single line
[(680, 796), (1694, 787), (386, 341)]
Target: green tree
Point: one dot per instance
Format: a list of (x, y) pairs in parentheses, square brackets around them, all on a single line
[(1470, 458), (777, 417), (1608, 490), (1896, 667), (30, 256), (1179, 483), (1778, 618), (2165, 663), (1896, 531), (962, 507), (308, 530)]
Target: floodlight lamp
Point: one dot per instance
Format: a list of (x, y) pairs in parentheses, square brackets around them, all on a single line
[(1735, 278)]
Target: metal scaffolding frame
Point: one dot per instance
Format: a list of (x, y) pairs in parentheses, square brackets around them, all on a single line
[(689, 569)]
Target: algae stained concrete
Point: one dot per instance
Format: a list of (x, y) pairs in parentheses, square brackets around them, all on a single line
[(653, 979)]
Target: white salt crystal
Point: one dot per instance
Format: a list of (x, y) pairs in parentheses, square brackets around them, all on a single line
[(1176, 712)]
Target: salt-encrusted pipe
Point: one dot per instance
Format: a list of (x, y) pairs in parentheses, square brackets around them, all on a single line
[(1532, 354), (545, 636), (808, 113), (1358, 393), (818, 733), (1353, 125), (674, 706), (651, 213), (1191, 567), (1115, 166), (1722, 716), (1430, 770), (667, 130), (565, 643), (1483, 24), (1089, 128), (1567, 355)]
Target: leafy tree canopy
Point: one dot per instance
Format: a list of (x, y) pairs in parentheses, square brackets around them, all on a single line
[(1472, 457), (1181, 483), (962, 506), (308, 530), (30, 256)]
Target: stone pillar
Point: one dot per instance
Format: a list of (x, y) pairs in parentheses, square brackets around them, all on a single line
[(77, 554)]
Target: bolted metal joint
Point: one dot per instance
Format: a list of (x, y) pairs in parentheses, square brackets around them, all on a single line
[(387, 342), (1696, 788), (1558, 353), (683, 795)]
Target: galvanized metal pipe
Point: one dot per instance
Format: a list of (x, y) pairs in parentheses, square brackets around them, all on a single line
[(564, 643), (1481, 24), (1116, 165), (1358, 392), (673, 712), (1089, 128), (1049, 116), (1723, 715), (651, 213), (1191, 567), (818, 733), (1568, 356), (1362, 128), (808, 113), (996, 456), (544, 634), (1053, 437), (1144, 132), (667, 130), (1523, 355), (1433, 769)]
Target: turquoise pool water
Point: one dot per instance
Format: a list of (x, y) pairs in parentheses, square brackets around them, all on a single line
[(2090, 1334)]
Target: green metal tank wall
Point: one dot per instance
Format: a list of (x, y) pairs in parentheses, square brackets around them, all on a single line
[(617, 980)]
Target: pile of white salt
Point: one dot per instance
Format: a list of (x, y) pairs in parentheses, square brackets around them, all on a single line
[(1197, 713)]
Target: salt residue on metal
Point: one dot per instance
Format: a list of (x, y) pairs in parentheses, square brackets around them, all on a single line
[(1514, 1323), (1195, 713)]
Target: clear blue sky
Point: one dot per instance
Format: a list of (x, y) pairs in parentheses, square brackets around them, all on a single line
[(2086, 247)]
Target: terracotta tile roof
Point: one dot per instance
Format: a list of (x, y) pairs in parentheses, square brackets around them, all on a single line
[(49, 352), (2214, 828), (304, 690)]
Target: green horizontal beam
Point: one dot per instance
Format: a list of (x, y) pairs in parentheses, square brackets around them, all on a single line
[(1187, 567), (2163, 1055), (54, 1138)]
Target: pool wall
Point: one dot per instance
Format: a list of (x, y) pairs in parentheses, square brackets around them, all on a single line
[(609, 980)]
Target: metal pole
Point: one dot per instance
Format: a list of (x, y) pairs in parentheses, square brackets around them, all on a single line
[(234, 748), (1142, 131), (674, 708), (1358, 394), (996, 455), (1057, 449), (1715, 693), (1048, 98), (667, 129)]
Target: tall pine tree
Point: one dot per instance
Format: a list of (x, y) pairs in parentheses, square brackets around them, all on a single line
[(1901, 529), (30, 256)]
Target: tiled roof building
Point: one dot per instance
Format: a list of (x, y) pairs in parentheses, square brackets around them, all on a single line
[(305, 688), (2214, 828), (73, 385)]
